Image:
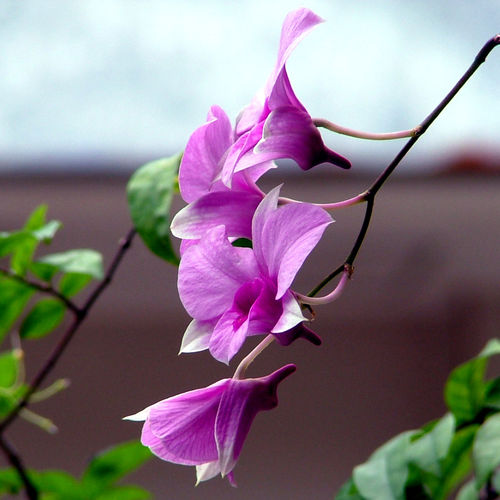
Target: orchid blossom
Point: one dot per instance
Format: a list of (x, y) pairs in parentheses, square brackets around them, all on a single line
[(207, 427), (233, 292), (220, 165)]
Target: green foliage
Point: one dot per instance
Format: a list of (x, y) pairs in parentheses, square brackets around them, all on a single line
[(486, 450), (21, 245), (72, 283), (98, 482), (44, 317), (432, 462), (83, 261), (14, 296), (150, 191)]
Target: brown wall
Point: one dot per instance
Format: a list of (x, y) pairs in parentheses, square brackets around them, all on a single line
[(423, 298)]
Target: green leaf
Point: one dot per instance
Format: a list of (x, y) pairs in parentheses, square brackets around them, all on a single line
[(429, 449), (45, 316), (82, 261), (150, 191), (10, 482), (114, 463), (13, 298), (128, 492), (348, 492), (492, 398), (455, 466), (486, 449), (10, 242), (72, 283), (36, 231), (9, 366), (385, 473), (10, 399), (468, 492), (465, 389), (56, 484)]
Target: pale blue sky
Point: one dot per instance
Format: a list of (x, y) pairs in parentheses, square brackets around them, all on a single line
[(131, 77)]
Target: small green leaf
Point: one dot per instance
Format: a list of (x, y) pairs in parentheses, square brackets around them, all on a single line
[(56, 484), (9, 366), (348, 492), (111, 465), (10, 482), (428, 450), (10, 242), (37, 218), (72, 283), (457, 464), (384, 475), (45, 316), (128, 492), (13, 298), (465, 389), (486, 449), (36, 230), (83, 261), (149, 192)]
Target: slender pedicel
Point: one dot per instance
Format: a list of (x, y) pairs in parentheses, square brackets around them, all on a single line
[(360, 198), (247, 360), (333, 295), (333, 127)]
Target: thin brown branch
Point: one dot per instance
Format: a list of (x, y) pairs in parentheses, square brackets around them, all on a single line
[(47, 289), (16, 462), (71, 330), (371, 192)]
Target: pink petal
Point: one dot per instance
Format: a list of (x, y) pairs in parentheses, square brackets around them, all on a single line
[(284, 236), (228, 336), (180, 429), (295, 26), (204, 150), (291, 315), (211, 272), (239, 405), (233, 209)]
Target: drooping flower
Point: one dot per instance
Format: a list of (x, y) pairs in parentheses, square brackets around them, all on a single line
[(207, 427), (233, 292)]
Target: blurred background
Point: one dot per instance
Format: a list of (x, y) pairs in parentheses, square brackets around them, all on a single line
[(91, 90)]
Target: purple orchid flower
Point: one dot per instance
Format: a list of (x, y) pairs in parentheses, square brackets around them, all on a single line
[(220, 165), (233, 292), (275, 124), (207, 427)]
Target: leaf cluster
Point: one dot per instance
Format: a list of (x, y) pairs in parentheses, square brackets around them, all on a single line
[(99, 481), (432, 462)]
